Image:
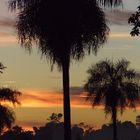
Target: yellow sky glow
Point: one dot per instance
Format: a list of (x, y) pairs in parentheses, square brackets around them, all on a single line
[(7, 38), (119, 35)]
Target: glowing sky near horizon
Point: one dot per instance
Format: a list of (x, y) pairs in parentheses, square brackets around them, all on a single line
[(42, 88)]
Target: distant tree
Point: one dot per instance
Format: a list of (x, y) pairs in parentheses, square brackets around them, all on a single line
[(63, 30), (134, 20), (77, 133), (114, 85), (52, 130), (7, 116), (26, 135), (128, 130), (55, 117), (138, 121), (17, 129), (17, 133)]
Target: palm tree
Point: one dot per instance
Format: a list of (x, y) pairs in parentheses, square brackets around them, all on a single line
[(114, 85), (7, 116), (63, 30)]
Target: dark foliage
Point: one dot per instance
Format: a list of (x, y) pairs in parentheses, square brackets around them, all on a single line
[(7, 116), (134, 21), (2, 67), (7, 94), (110, 3), (126, 131), (55, 117), (60, 28), (115, 86), (17, 133)]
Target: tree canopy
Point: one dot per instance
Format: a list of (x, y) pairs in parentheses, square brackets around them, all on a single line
[(113, 84), (60, 28)]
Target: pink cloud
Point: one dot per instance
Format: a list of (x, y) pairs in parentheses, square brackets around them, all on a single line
[(7, 22)]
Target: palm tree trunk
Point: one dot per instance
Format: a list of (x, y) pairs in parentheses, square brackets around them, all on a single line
[(66, 106), (114, 119)]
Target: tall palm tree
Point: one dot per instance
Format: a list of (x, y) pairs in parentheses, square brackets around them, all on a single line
[(63, 30), (114, 85), (7, 116)]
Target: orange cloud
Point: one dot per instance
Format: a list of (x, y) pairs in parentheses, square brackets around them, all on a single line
[(5, 35), (119, 35), (35, 98), (6, 22), (42, 99), (38, 98), (7, 38)]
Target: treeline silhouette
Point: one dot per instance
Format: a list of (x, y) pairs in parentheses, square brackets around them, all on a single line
[(54, 130)]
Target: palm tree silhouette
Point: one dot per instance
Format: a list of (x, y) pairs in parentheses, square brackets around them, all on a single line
[(114, 85), (63, 30), (7, 116)]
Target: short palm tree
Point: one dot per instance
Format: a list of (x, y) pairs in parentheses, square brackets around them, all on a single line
[(115, 86), (7, 116), (63, 30)]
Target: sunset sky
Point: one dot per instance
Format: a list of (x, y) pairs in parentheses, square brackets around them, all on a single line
[(42, 88)]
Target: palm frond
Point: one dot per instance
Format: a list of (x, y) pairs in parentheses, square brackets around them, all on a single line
[(20, 4), (110, 3), (7, 118), (2, 67), (122, 65), (132, 93), (134, 20), (7, 94)]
